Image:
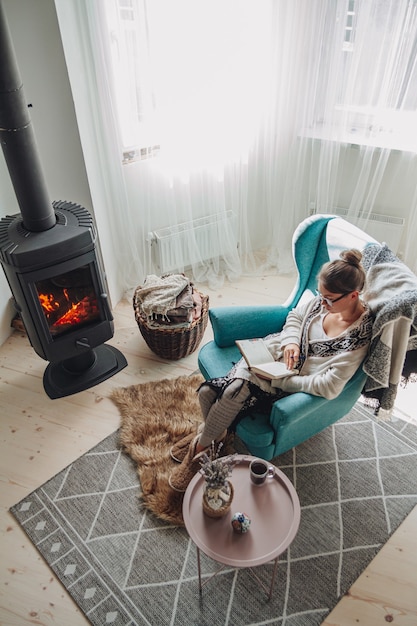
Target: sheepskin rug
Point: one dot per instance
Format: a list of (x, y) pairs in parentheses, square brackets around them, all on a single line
[(154, 416)]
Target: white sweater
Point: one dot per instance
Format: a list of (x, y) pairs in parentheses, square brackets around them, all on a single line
[(329, 363)]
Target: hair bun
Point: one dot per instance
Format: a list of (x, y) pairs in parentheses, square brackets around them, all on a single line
[(353, 257)]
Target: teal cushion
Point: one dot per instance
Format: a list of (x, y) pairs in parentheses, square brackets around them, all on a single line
[(267, 452), (230, 323), (214, 361), (255, 430)]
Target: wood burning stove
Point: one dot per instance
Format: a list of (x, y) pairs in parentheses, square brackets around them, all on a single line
[(57, 282), (50, 256)]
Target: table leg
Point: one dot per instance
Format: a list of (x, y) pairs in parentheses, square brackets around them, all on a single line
[(200, 586), (274, 571)]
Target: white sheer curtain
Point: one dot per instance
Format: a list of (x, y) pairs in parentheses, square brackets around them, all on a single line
[(262, 109), (363, 118)]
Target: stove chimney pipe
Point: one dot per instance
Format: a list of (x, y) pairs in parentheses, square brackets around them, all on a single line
[(18, 141)]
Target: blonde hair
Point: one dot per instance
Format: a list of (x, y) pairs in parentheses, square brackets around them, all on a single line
[(345, 274)]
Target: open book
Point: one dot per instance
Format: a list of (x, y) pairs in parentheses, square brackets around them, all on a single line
[(260, 360)]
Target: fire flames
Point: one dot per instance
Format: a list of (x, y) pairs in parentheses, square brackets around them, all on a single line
[(78, 313), (48, 303), (74, 313)]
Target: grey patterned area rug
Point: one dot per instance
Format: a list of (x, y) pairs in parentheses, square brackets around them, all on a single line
[(124, 567)]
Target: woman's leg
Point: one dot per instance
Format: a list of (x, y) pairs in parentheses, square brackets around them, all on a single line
[(221, 412), (207, 396), (219, 415)]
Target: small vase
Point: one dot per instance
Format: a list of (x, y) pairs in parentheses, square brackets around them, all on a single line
[(217, 500)]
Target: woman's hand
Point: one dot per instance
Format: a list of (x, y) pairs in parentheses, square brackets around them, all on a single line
[(291, 355)]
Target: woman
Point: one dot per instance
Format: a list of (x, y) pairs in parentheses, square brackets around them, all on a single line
[(326, 338)]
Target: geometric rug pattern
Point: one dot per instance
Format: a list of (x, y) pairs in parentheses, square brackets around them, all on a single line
[(356, 481)]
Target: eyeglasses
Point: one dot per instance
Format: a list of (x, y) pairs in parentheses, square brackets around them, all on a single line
[(331, 302)]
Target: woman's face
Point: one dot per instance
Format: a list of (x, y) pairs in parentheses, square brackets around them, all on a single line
[(332, 301)]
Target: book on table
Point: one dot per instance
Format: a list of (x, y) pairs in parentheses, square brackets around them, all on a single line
[(260, 360)]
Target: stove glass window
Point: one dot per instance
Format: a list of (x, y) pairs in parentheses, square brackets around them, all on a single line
[(68, 301)]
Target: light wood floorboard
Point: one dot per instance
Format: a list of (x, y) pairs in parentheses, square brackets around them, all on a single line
[(40, 437)]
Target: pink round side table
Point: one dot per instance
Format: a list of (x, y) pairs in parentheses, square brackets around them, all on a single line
[(274, 510)]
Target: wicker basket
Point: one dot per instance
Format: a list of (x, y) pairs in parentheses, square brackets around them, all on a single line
[(222, 510), (172, 343)]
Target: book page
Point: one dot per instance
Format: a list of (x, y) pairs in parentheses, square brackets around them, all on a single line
[(274, 370), (254, 351)]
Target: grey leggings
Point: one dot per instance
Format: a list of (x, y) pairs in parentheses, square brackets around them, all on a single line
[(219, 412)]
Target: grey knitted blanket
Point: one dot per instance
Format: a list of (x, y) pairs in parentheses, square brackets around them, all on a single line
[(391, 293)]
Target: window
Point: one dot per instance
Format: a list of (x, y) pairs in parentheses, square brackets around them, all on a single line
[(372, 72), (349, 27), (180, 74)]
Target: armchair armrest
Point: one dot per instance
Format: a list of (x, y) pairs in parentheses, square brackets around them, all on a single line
[(245, 322)]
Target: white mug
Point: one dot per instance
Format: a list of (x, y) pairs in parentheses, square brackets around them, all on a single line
[(260, 470)]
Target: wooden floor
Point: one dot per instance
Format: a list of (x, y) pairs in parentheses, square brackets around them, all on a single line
[(39, 437)]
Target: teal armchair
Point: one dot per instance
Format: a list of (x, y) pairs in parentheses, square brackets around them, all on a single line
[(299, 416)]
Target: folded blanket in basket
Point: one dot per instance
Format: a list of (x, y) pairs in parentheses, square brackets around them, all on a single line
[(166, 300)]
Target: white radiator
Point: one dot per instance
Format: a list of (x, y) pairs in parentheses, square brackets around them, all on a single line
[(182, 245), (384, 228)]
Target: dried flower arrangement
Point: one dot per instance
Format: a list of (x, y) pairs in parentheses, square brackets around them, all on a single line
[(218, 492), (216, 469)]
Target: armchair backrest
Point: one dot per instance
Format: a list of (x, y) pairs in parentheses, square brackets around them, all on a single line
[(318, 239), (309, 253)]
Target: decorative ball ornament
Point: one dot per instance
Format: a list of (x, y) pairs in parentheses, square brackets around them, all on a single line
[(240, 523)]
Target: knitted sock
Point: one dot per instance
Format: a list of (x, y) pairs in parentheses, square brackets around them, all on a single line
[(224, 410), (207, 396)]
